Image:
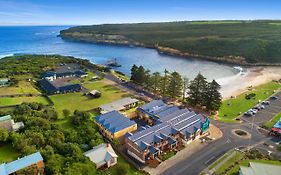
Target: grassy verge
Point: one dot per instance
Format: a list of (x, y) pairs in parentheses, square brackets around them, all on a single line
[(8, 101), (167, 155), (272, 122), (23, 87), (7, 153), (238, 156), (79, 101), (232, 108), (122, 163)]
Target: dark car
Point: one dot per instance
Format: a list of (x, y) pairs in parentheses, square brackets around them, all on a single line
[(273, 98)]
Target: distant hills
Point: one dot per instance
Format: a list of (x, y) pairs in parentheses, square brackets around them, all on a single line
[(241, 42)]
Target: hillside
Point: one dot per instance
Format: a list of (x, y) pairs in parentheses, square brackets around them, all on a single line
[(242, 42)]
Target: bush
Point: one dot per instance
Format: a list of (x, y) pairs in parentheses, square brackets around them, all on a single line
[(250, 96)]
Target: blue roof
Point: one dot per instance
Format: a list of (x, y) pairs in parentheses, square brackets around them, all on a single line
[(48, 74), (114, 121), (19, 164), (153, 150), (172, 120), (157, 109), (50, 88)]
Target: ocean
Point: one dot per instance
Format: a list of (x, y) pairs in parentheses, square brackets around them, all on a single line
[(44, 40)]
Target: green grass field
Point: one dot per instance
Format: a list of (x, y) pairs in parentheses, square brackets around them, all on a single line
[(23, 87), (121, 161), (9, 101), (272, 122), (79, 101), (231, 108), (7, 153)]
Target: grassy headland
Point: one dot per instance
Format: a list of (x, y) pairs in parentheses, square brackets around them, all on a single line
[(242, 42)]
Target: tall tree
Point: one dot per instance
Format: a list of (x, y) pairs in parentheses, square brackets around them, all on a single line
[(184, 87), (197, 90), (147, 80), (140, 76), (174, 88), (213, 98), (164, 83), (134, 71), (156, 77)]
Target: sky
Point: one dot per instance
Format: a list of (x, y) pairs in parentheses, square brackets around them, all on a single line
[(86, 12)]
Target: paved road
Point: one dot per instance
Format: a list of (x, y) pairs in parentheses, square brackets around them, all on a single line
[(202, 159)]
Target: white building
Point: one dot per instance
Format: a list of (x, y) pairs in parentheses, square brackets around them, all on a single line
[(102, 155)]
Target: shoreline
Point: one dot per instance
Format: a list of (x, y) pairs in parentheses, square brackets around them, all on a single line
[(254, 76), (228, 60)]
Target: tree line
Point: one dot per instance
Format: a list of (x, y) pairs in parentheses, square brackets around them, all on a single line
[(197, 92), (62, 149)]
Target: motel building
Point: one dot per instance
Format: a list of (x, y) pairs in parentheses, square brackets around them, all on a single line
[(114, 125), (172, 127)]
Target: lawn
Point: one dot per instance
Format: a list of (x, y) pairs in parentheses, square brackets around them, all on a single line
[(23, 87), (232, 108), (7, 153), (238, 156), (272, 122), (122, 162), (8, 101), (79, 101), (167, 155)]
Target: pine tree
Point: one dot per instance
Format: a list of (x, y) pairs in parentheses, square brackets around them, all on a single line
[(141, 76), (156, 77), (213, 98), (197, 89), (164, 83), (134, 71), (184, 87), (175, 85)]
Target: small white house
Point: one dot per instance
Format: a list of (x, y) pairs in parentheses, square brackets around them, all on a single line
[(102, 155)]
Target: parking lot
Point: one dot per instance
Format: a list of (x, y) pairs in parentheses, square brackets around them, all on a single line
[(267, 113)]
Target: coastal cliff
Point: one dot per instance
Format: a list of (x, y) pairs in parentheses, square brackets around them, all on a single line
[(215, 42)]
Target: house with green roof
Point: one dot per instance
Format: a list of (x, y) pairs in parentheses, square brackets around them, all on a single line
[(6, 122), (4, 82), (255, 168)]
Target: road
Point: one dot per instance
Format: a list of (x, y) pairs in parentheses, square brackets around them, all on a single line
[(200, 160)]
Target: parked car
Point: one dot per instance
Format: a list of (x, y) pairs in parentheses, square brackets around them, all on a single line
[(249, 113), (254, 111), (259, 107), (265, 103), (273, 98)]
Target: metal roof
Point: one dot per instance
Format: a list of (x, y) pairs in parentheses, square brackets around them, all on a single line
[(260, 169), (6, 117), (19, 164), (172, 120), (117, 105), (52, 86), (101, 154), (114, 121)]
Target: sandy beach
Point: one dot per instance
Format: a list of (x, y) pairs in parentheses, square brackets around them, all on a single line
[(237, 84)]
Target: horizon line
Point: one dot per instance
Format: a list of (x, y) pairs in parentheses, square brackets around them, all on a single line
[(144, 22)]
